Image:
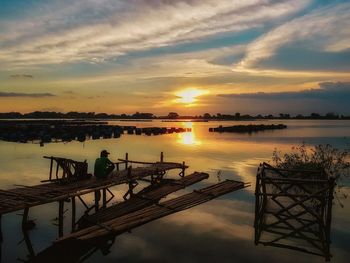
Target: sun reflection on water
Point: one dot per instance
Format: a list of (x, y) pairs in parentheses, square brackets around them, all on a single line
[(188, 138)]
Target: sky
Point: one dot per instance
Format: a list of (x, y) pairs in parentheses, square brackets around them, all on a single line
[(190, 56)]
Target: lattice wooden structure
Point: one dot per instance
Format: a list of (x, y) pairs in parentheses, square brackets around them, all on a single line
[(66, 169), (293, 209)]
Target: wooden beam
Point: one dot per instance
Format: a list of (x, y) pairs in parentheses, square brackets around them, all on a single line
[(60, 218), (73, 213), (25, 219), (97, 199)]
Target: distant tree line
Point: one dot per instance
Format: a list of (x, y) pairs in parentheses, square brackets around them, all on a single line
[(171, 115)]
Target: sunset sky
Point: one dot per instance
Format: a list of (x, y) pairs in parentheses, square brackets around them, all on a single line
[(190, 56)]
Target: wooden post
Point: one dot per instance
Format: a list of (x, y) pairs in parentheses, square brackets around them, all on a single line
[(329, 216), (97, 199), (28, 244), (131, 187), (183, 169), (257, 207), (73, 213), (126, 161), (51, 164), (1, 237), (60, 217), (25, 218), (57, 167), (104, 198), (161, 157)]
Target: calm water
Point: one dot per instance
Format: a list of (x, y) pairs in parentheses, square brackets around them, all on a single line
[(218, 231)]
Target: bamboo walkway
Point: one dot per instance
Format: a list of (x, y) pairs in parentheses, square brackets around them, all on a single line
[(124, 223), (25, 197), (146, 197)]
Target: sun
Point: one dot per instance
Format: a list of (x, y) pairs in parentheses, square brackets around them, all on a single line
[(189, 96)]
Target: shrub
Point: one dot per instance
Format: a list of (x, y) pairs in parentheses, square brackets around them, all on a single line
[(325, 157)]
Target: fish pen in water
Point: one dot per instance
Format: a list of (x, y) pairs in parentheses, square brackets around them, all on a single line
[(293, 209)]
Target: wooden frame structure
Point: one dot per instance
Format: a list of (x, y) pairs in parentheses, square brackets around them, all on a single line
[(66, 169), (293, 209), (73, 183), (137, 208)]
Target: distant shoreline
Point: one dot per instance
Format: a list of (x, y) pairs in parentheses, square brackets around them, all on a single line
[(171, 117)]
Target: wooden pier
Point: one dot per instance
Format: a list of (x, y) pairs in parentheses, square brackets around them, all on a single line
[(146, 197), (28, 196), (124, 223), (69, 180), (100, 234)]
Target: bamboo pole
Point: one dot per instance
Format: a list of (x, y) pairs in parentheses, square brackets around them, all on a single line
[(161, 157), (73, 213), (126, 161), (97, 199), (60, 218), (25, 218), (104, 198), (1, 237), (51, 164)]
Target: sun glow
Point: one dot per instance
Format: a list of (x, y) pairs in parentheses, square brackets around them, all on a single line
[(189, 96)]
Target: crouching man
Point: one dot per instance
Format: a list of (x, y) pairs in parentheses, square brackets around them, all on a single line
[(102, 169), (103, 166)]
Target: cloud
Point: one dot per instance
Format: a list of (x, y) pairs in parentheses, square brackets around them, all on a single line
[(96, 32), (21, 76), (325, 29), (326, 91), (29, 95)]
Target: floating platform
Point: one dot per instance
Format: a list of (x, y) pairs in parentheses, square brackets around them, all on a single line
[(146, 197), (121, 224), (69, 179), (28, 196)]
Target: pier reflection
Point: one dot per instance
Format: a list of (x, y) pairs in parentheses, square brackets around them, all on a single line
[(69, 251)]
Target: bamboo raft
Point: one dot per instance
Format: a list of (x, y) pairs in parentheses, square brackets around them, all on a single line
[(107, 222), (28, 196), (124, 223), (146, 197)]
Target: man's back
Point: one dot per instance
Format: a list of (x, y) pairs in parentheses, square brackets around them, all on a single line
[(101, 165)]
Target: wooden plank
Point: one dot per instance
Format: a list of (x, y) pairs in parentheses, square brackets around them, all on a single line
[(146, 197), (131, 220), (45, 193)]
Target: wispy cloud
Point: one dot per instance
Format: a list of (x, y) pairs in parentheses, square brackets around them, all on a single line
[(326, 91), (326, 28), (116, 27), (29, 95)]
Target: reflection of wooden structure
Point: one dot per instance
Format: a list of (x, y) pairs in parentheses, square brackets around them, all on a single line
[(293, 209)]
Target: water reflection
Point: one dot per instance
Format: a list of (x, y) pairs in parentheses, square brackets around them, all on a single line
[(188, 138), (216, 232)]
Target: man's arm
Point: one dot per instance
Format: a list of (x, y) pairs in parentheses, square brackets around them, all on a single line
[(110, 164)]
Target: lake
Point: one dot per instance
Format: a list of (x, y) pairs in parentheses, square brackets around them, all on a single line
[(218, 231)]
